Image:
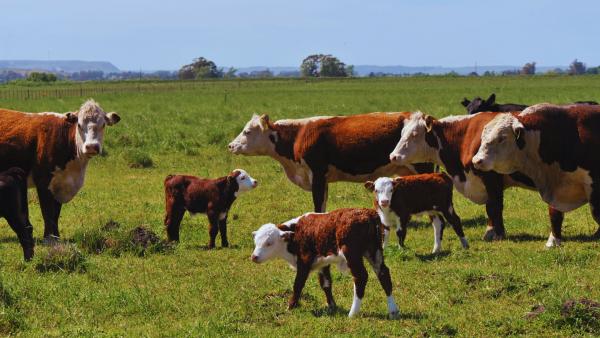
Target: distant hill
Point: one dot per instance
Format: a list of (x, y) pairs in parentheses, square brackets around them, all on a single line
[(59, 66)]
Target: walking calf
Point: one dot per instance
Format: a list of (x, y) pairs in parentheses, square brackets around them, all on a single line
[(396, 200), (200, 195), (314, 241), (13, 207)]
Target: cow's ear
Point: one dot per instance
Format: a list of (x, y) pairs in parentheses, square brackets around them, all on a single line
[(519, 131), (254, 233), (465, 102), (287, 235), (369, 185), (71, 117), (112, 118), (428, 122), (491, 99), (396, 181), (263, 120)]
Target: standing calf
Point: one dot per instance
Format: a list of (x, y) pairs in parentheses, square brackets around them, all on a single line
[(200, 195), (13, 207), (396, 200), (314, 241)]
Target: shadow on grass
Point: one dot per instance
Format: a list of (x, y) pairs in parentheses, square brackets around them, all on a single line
[(205, 247), (9, 239), (524, 237), (432, 256), (343, 312), (423, 222), (476, 222)]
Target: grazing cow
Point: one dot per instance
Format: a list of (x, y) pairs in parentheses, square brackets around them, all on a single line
[(315, 241), (53, 150), (13, 207), (556, 146), (479, 105), (319, 150), (452, 141), (396, 200), (200, 195)]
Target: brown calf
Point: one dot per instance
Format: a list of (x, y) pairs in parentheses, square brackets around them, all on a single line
[(314, 241), (396, 200), (200, 195)]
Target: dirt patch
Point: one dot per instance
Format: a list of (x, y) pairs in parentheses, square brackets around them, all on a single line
[(536, 310), (143, 237)]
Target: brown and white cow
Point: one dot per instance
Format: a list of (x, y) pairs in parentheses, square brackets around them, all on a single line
[(452, 142), (53, 150), (397, 200), (556, 146), (320, 150), (204, 195), (314, 241)]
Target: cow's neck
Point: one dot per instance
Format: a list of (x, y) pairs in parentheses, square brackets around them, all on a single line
[(286, 136), (449, 137)]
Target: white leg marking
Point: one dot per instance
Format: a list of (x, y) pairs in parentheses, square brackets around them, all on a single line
[(552, 241), (393, 310), (222, 216), (356, 302), (437, 234), (386, 237)]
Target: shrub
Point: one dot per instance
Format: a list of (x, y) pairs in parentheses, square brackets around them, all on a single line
[(63, 257)]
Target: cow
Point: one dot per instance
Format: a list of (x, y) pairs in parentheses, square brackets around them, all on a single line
[(13, 207), (54, 151), (314, 241), (202, 195), (480, 105), (319, 150), (556, 146), (396, 200), (451, 142)]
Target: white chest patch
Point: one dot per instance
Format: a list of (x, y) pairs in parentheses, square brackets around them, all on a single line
[(338, 259), (388, 217), (66, 183), (472, 188), (299, 173)]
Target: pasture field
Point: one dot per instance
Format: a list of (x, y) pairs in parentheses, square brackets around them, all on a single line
[(190, 291)]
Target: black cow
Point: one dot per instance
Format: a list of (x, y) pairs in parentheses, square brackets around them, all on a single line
[(13, 207), (478, 105)]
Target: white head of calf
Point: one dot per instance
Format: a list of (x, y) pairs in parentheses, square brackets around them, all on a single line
[(256, 138), (91, 121), (245, 182), (270, 242), (383, 188)]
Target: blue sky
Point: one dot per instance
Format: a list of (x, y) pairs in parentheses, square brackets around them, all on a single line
[(150, 35)]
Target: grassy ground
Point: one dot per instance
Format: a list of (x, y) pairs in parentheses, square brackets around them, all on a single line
[(190, 291)]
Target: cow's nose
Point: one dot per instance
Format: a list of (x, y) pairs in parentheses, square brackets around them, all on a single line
[(384, 203), (254, 184), (393, 157), (93, 148), (254, 258), (477, 160), (230, 146)]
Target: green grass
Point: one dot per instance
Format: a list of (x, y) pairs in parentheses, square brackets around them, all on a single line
[(190, 291)]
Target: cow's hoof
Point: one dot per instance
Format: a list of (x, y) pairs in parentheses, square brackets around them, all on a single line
[(394, 315), (491, 235), (436, 250), (51, 240), (28, 254)]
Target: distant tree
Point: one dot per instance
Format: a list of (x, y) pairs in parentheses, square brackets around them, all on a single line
[(350, 70), (593, 70), (489, 73), (322, 65), (528, 69), (41, 77), (555, 71), (452, 74), (510, 72), (201, 68), (473, 74), (230, 73), (262, 74), (88, 75), (576, 68), (291, 73)]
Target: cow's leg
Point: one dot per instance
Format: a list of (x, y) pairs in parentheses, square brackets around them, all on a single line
[(302, 272), (454, 220), (494, 207), (386, 234), (213, 227), (50, 211), (319, 191), (18, 219), (375, 258), (223, 229), (401, 230), (360, 276), (174, 215), (27, 242), (326, 284), (438, 228), (556, 220), (595, 206)]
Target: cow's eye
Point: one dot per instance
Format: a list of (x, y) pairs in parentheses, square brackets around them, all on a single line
[(242, 177), (246, 132), (501, 139), (269, 244)]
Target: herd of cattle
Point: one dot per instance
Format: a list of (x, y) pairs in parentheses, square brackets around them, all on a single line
[(549, 148)]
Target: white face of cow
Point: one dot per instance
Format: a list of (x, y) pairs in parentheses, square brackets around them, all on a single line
[(255, 138), (499, 150), (245, 182), (269, 242), (91, 121), (383, 188), (412, 147)]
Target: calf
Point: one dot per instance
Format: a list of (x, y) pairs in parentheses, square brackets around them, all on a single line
[(13, 207), (396, 200), (200, 195), (480, 105), (315, 241)]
